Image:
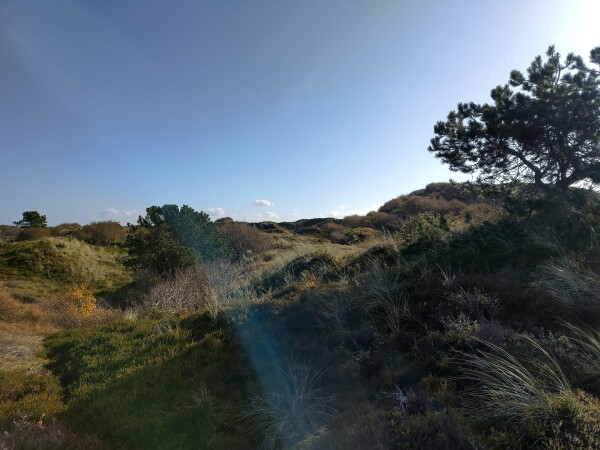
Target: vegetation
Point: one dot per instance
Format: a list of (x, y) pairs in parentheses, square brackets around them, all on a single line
[(169, 238), (100, 233), (41, 269), (458, 316), (244, 239), (442, 333), (32, 219), (547, 132)]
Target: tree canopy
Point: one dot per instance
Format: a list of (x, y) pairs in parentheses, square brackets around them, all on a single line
[(32, 219), (168, 238), (542, 127)]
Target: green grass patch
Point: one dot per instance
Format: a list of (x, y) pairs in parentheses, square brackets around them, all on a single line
[(155, 384)]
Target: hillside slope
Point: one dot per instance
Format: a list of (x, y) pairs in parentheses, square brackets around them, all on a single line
[(51, 266)]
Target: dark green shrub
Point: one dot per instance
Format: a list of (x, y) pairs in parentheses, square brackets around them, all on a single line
[(169, 238)]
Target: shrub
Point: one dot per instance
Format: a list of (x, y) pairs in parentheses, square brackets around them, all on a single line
[(375, 219), (82, 301), (478, 213), (336, 233), (169, 238), (23, 392), (214, 287), (186, 290), (243, 238), (362, 234), (65, 229), (415, 204), (355, 221), (432, 430), (383, 221), (102, 233), (9, 233), (81, 310), (228, 288), (13, 311), (334, 311), (33, 233), (475, 304)]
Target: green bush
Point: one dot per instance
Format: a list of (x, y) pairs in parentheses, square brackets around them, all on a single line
[(170, 238)]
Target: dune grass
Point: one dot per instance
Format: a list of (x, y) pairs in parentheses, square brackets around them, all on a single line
[(50, 266)]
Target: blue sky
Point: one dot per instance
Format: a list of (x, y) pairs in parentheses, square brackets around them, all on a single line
[(252, 109)]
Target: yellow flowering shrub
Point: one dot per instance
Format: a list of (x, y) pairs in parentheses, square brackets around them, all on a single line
[(82, 300)]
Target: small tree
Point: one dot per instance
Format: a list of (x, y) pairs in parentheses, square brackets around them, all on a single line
[(543, 128), (170, 238), (32, 219)]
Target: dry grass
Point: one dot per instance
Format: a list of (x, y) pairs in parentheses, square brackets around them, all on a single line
[(588, 341), (570, 287), (51, 266), (381, 296), (505, 386), (292, 410), (41, 316), (20, 347)]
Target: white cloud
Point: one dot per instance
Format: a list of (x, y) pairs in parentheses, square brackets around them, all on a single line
[(375, 206), (342, 211), (215, 213), (267, 215), (123, 212), (263, 203)]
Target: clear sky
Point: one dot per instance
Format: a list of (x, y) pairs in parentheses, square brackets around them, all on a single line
[(253, 109)]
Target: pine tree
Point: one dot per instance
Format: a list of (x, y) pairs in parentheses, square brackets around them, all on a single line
[(542, 128)]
